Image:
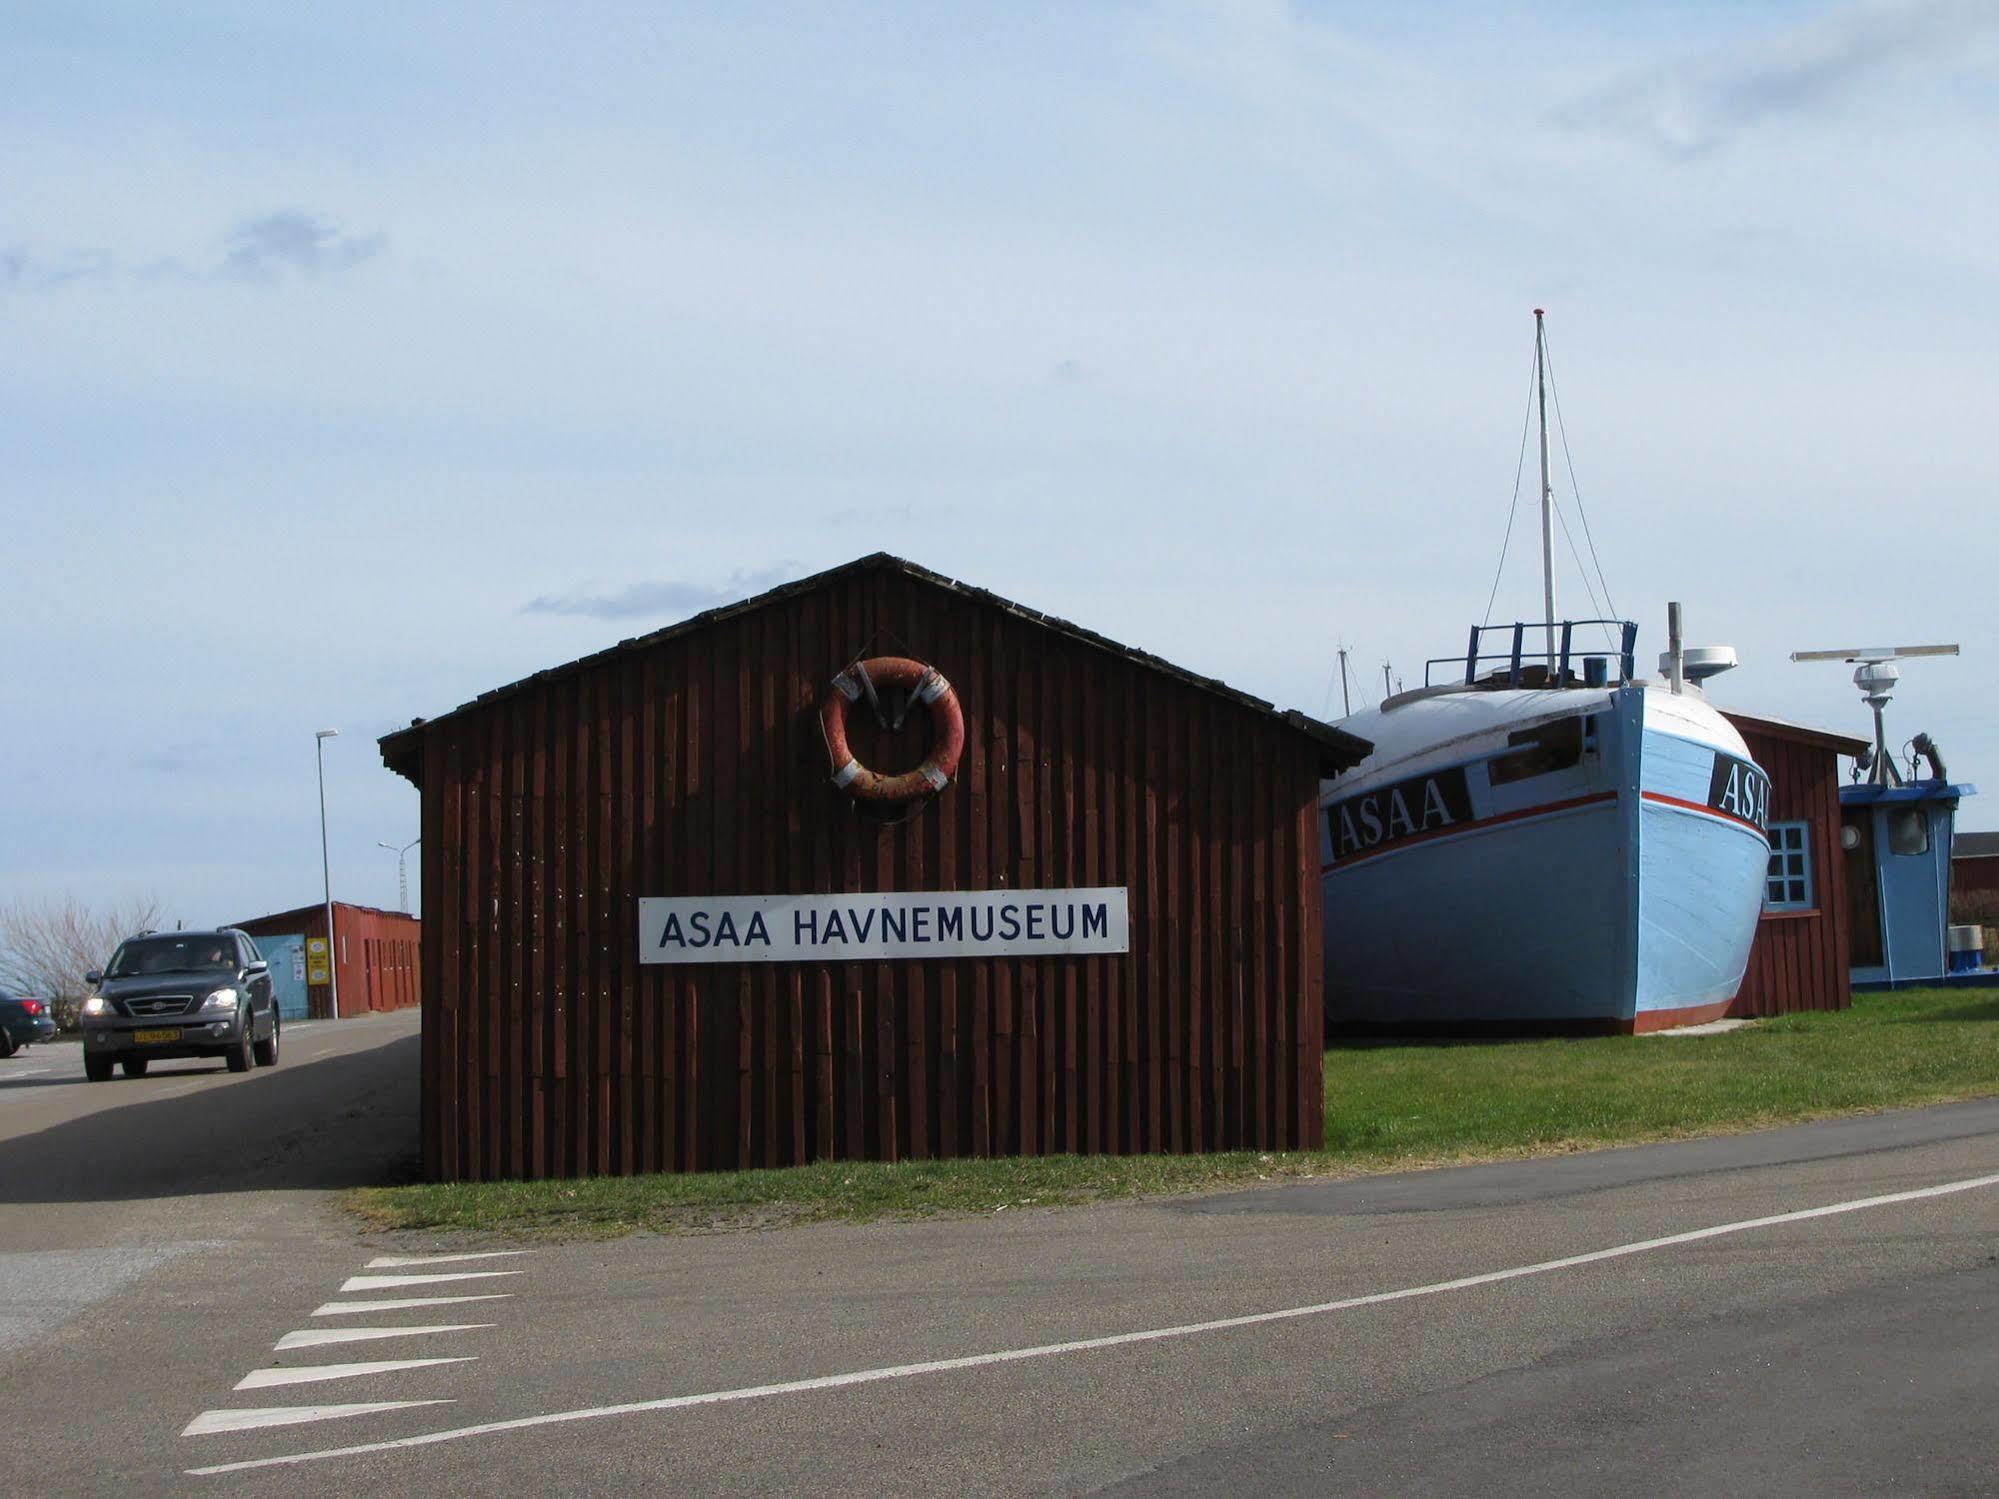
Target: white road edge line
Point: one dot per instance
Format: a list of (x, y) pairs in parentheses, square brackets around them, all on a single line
[(392, 1261), (397, 1303), (264, 1379), (317, 1337), (393, 1282), (1090, 1345), (209, 1423)]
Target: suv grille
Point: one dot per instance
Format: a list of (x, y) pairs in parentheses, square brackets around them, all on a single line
[(159, 1004)]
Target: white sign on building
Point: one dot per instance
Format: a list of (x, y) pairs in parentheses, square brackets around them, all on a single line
[(883, 925)]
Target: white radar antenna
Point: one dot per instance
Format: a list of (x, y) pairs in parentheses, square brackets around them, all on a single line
[(1875, 676)]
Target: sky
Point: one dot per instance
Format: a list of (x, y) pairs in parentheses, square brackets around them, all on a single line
[(356, 360)]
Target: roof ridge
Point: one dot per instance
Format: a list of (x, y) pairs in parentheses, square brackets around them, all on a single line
[(400, 742)]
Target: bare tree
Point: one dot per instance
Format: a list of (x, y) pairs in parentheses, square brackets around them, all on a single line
[(47, 946)]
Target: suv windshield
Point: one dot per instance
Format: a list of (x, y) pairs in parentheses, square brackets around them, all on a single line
[(182, 952)]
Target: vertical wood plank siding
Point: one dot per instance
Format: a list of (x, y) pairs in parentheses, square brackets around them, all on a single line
[(1799, 958), (695, 766), (1974, 874)]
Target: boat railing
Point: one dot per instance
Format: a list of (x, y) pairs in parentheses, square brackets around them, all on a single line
[(1529, 649)]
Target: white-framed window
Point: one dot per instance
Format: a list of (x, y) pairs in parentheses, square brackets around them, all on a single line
[(1788, 886)]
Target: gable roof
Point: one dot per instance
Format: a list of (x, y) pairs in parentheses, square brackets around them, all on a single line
[(1974, 846), (318, 908), (1339, 750), (1802, 733)]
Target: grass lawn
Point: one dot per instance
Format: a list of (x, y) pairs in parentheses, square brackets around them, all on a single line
[(1389, 1106)]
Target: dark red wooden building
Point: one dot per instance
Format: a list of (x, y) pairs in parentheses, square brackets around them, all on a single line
[(374, 955), (690, 763), (1801, 955), (1974, 864)]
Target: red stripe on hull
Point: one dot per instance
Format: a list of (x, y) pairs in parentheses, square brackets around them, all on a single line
[(1702, 807), (1468, 827), (1666, 1020)]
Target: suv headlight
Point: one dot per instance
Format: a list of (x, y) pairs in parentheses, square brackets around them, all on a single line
[(97, 1005), (221, 999)]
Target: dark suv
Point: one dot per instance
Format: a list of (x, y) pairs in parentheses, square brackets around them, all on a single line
[(181, 994)]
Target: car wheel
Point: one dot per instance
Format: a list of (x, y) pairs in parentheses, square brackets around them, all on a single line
[(267, 1051), (240, 1054), (97, 1069), (134, 1066), (7, 1046)]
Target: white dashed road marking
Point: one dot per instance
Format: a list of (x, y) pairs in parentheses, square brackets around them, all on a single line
[(392, 1282), (220, 1422), (208, 1423), (264, 1379), (319, 1337), (394, 1304), (389, 1261), (1093, 1345)]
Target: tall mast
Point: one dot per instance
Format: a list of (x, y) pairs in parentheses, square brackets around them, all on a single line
[(1547, 490)]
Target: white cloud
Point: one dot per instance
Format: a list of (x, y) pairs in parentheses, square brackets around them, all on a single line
[(259, 249), (304, 243), (1816, 67), (664, 599)]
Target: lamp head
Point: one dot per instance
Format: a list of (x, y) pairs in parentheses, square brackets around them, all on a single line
[(326, 734)]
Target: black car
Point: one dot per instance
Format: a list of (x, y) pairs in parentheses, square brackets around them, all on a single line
[(23, 1021), (181, 994)]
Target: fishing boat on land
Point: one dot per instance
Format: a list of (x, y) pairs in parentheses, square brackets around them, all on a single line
[(1541, 839)]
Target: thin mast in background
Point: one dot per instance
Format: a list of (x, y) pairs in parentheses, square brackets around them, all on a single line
[(1547, 490)]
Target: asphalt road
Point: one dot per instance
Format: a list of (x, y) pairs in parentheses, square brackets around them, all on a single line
[(1511, 1328)]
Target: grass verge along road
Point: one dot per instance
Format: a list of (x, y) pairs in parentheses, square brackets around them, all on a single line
[(1389, 1106)]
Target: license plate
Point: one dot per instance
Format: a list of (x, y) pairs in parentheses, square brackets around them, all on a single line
[(151, 1036)]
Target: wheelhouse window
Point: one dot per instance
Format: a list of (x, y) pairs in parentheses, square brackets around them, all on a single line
[(1547, 747), (1788, 886), (1908, 830)]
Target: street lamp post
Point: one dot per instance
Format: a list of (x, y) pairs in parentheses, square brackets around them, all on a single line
[(320, 736), (402, 873)]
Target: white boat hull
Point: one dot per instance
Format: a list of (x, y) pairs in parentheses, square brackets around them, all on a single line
[(1471, 882)]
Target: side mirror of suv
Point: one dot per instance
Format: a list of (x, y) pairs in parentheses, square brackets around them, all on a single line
[(256, 968), (95, 976)]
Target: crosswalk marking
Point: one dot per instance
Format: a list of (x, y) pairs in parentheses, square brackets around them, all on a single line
[(391, 1282), (389, 1261), (210, 1422), (316, 1337), (397, 1303), (264, 1379), (252, 1418)]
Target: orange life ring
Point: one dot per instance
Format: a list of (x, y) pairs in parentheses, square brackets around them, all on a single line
[(926, 685)]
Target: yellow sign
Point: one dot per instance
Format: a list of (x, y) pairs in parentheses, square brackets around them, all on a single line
[(316, 971)]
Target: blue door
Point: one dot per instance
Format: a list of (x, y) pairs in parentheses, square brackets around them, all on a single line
[(286, 955)]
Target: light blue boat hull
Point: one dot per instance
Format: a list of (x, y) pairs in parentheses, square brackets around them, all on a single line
[(1609, 894)]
